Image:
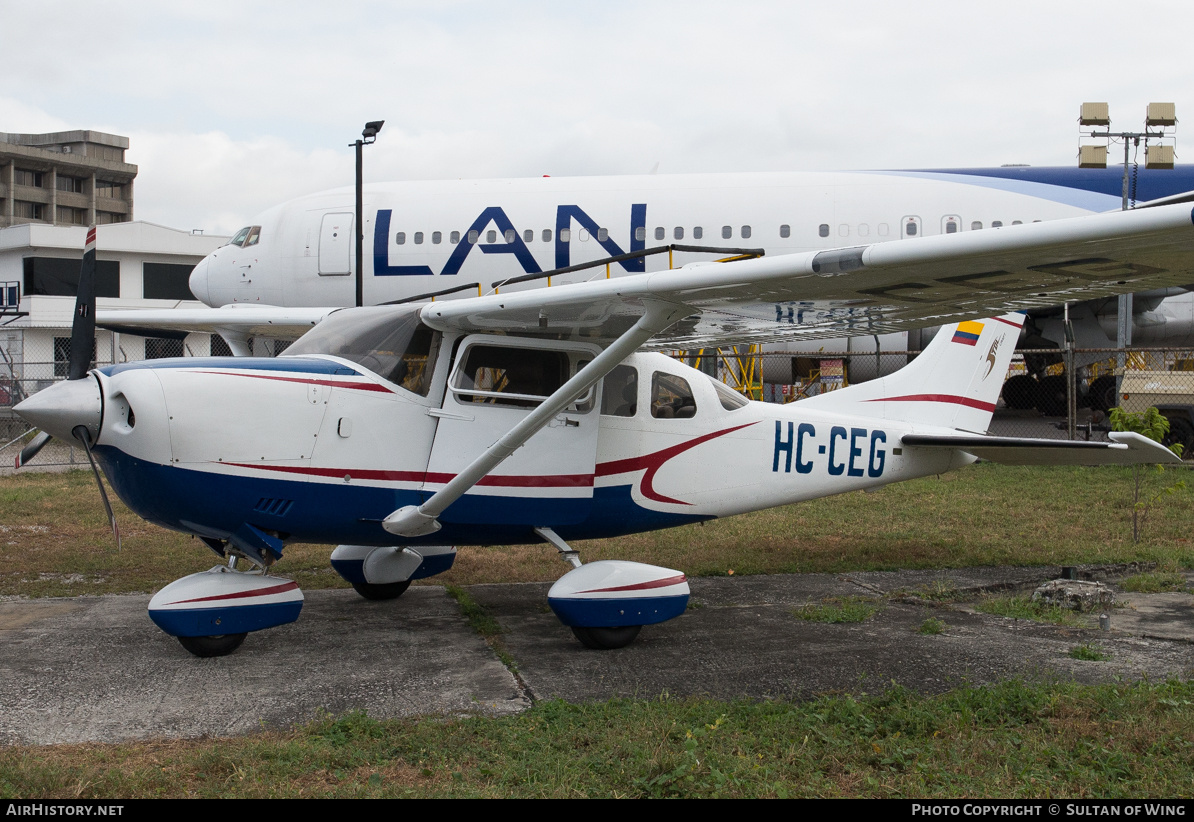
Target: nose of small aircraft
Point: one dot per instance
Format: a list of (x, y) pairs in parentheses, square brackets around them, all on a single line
[(59, 409), (199, 280)]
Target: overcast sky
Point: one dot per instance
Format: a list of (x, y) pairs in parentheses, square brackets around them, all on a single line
[(233, 107)]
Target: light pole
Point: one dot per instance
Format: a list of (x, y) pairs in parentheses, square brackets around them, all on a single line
[(367, 137), (1158, 116)]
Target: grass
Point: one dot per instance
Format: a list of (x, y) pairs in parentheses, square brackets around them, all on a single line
[(932, 626), (1154, 582), (837, 610), (1014, 740), (1020, 607), (1089, 653), (55, 541)]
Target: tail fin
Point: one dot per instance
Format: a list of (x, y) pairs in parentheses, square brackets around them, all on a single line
[(954, 383)]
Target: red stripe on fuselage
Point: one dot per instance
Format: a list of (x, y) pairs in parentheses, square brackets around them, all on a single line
[(639, 586), (947, 398), (256, 592), (513, 481), (359, 386)]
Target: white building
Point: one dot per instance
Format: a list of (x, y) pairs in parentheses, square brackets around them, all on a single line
[(139, 265)]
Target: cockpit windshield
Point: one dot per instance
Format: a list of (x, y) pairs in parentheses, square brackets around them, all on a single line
[(247, 236), (390, 341)]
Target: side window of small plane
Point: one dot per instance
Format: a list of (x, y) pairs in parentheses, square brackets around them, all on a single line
[(619, 392), (565, 235), (400, 238), (823, 230), (502, 375), (726, 232), (659, 232), (473, 236), (528, 236), (976, 225), (454, 237), (785, 231), (547, 235), (671, 397), (491, 236), (678, 232), (640, 233), (730, 400), (746, 232), (254, 236), (510, 236), (418, 238), (698, 232), (437, 237), (602, 234)]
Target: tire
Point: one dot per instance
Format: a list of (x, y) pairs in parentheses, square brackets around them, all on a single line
[(1020, 392), (607, 639), (209, 646), (1101, 396), (1052, 399), (1181, 432), (383, 591)]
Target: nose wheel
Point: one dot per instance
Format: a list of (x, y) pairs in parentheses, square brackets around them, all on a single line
[(606, 639), (209, 646)]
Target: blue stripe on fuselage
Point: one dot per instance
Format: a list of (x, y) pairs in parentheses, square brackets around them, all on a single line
[(287, 364)]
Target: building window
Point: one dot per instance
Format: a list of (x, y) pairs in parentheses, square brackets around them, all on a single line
[(58, 277), (165, 281), (104, 188), (27, 211), (25, 177), (71, 216), (71, 185), (785, 231)]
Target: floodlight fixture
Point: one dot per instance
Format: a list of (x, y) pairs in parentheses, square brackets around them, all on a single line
[(371, 129), (1160, 114), (1094, 114)]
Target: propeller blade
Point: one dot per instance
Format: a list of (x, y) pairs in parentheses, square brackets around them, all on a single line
[(82, 331), (84, 436), (30, 450)]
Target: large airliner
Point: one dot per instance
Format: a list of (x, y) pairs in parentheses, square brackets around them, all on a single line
[(468, 237)]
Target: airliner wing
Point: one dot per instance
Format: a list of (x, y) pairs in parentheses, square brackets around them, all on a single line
[(862, 290), (234, 320)]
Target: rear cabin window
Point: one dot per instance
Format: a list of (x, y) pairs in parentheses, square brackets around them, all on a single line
[(619, 392), (671, 397)]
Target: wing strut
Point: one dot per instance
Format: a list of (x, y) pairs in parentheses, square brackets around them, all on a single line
[(420, 520)]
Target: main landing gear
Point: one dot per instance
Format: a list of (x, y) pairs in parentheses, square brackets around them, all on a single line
[(606, 603)]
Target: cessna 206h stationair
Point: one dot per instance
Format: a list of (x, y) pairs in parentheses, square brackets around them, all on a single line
[(395, 432)]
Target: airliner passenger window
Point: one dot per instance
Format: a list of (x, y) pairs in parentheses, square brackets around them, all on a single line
[(619, 392), (584, 235), (823, 230), (671, 397), (1017, 222), (528, 236), (400, 238), (418, 238), (659, 231), (951, 227), (997, 224), (698, 232), (863, 230), (454, 237), (491, 236), (473, 236), (883, 229), (640, 233), (746, 232), (510, 235), (437, 237), (976, 225), (910, 228), (565, 235), (547, 235), (785, 231), (678, 232), (603, 234), (726, 232)]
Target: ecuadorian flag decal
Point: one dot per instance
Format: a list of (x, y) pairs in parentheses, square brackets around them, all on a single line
[(968, 333)]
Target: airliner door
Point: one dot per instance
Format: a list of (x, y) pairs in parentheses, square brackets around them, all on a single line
[(495, 382), (336, 244)]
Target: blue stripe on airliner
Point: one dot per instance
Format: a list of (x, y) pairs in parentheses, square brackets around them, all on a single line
[(286, 364), (1092, 189)]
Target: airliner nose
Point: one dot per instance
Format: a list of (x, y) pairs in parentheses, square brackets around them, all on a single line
[(59, 409), (198, 281)]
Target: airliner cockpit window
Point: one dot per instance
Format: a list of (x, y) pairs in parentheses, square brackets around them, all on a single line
[(247, 236), (390, 342), (254, 236)]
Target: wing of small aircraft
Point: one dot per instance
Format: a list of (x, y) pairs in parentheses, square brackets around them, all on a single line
[(861, 290), (235, 322)]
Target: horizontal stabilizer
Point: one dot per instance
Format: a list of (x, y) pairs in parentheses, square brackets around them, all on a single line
[(1126, 449)]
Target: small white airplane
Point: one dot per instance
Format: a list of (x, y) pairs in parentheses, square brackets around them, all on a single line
[(399, 432), (467, 237)]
